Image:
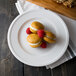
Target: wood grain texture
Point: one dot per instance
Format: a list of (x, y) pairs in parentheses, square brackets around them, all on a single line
[(57, 71), (34, 71), (9, 65), (71, 67), (49, 4)]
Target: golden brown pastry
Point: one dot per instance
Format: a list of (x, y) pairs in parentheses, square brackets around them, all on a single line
[(35, 26), (49, 37), (34, 40)]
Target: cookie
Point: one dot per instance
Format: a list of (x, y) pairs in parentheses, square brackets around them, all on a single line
[(34, 40), (49, 37), (35, 26)]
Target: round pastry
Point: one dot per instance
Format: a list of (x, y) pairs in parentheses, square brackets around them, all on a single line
[(34, 40), (49, 37), (35, 26)]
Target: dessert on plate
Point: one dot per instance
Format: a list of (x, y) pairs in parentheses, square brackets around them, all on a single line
[(34, 40), (35, 26), (49, 37), (38, 36)]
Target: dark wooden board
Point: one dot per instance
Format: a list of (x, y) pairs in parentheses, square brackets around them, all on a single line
[(9, 65)]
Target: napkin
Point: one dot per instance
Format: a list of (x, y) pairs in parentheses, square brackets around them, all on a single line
[(25, 6)]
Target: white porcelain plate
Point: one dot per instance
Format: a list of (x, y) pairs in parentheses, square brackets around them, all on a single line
[(37, 56)]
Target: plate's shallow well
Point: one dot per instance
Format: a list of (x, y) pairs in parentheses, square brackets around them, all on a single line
[(37, 56)]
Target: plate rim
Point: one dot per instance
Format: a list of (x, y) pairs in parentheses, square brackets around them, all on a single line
[(20, 59)]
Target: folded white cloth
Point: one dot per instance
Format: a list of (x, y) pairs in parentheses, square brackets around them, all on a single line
[(25, 6)]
